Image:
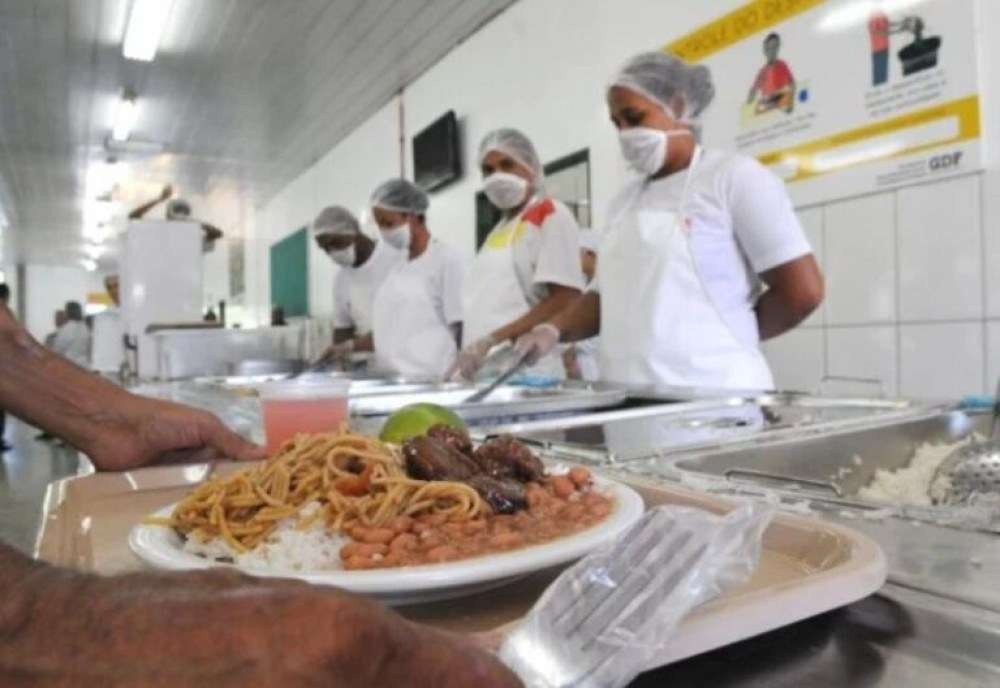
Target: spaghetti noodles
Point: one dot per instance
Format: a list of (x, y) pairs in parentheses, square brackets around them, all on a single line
[(355, 480)]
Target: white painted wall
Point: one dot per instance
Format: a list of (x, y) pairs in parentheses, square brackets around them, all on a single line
[(48, 288), (912, 296)]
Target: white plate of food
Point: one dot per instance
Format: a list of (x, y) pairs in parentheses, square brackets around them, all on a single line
[(432, 520)]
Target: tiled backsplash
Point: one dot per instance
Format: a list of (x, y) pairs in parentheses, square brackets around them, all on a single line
[(912, 298)]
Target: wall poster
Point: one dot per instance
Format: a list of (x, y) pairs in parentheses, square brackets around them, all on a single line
[(844, 97)]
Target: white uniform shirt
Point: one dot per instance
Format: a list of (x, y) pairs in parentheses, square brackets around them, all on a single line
[(108, 349), (742, 224), (354, 289), (414, 310), (72, 341), (520, 257)]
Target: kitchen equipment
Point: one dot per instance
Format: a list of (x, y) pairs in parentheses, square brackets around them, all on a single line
[(506, 403), (268, 366), (511, 370), (647, 431), (971, 470)]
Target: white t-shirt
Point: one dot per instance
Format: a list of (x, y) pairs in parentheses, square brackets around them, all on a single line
[(742, 223), (72, 341), (354, 289), (542, 245), (414, 310)]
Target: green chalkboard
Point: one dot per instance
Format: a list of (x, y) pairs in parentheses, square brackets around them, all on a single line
[(290, 273)]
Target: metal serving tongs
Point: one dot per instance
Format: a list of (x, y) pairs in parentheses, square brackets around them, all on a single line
[(519, 363), (970, 470)]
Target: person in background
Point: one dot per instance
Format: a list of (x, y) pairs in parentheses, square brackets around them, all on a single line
[(186, 628), (580, 358), (278, 317), (4, 303), (178, 210), (107, 353), (364, 264), (688, 245), (417, 314), (72, 340), (59, 319), (528, 269)]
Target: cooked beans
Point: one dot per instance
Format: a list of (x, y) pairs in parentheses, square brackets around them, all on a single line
[(557, 506)]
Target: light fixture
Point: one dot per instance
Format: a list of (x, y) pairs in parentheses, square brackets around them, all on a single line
[(125, 117), (144, 29), (88, 264)]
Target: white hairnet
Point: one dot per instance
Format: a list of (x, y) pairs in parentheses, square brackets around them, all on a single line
[(335, 219), (662, 78), (401, 196), (589, 239), (515, 144)]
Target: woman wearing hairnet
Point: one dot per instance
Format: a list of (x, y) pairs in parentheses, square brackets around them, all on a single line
[(689, 244), (417, 316), (528, 269)]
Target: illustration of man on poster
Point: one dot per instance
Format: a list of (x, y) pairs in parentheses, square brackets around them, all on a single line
[(774, 86), (918, 55)]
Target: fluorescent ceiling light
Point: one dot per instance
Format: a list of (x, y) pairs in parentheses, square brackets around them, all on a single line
[(125, 117), (144, 29), (88, 264)]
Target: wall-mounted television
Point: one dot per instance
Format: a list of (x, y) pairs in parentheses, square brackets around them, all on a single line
[(437, 160)]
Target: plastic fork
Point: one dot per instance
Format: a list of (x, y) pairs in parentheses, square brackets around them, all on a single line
[(591, 626)]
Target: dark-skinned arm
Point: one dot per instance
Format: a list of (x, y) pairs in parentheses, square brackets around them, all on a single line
[(215, 628), (559, 299), (581, 319), (141, 211), (116, 429), (795, 290)]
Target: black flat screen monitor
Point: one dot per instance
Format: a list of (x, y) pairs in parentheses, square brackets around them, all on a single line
[(437, 160)]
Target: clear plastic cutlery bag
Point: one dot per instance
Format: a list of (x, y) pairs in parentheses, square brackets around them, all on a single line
[(606, 618)]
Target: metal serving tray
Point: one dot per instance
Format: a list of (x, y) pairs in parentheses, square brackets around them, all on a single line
[(643, 432), (248, 385), (507, 403)]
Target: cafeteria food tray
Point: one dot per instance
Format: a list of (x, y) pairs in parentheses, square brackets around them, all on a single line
[(650, 431), (807, 566)]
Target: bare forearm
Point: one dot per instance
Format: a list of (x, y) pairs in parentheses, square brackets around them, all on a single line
[(557, 301), (47, 390), (141, 211), (581, 320), (775, 316)]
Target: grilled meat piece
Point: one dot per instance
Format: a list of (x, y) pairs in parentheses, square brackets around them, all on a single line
[(503, 496), (505, 457), (454, 437), (428, 458)]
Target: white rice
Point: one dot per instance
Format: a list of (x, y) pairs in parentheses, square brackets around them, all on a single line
[(911, 484), (286, 549)]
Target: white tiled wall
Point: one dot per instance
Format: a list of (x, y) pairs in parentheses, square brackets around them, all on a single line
[(913, 293)]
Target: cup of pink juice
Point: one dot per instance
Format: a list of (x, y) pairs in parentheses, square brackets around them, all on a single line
[(305, 404)]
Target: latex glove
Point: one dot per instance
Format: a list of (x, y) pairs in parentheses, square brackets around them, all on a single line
[(471, 358), (538, 343)]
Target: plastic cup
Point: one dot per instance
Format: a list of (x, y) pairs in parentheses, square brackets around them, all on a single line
[(302, 405)]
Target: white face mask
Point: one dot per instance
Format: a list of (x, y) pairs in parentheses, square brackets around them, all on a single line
[(505, 190), (645, 149), (345, 257), (398, 237)]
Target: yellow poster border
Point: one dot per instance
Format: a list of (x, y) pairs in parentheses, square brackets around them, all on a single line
[(731, 28), (803, 155)]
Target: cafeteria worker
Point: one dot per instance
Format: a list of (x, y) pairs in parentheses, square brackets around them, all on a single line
[(702, 256), (528, 269), (417, 314)]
